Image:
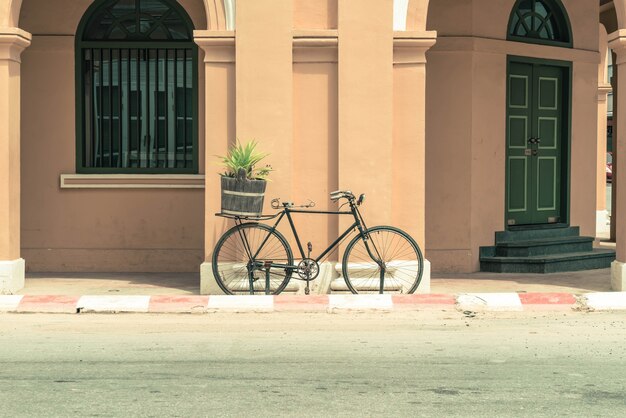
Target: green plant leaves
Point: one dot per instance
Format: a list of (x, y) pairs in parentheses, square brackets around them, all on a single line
[(245, 157)]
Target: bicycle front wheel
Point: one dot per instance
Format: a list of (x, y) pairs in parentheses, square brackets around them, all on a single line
[(388, 261), (240, 255)]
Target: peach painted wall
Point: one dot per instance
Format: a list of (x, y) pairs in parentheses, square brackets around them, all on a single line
[(315, 144), (347, 131), (448, 162), (315, 14), (465, 124), (366, 105), (91, 229), (408, 149), (354, 120), (264, 87)]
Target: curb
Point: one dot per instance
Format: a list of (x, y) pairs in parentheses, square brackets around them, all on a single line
[(315, 303)]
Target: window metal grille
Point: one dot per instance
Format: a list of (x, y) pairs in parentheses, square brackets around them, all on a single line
[(138, 95), (540, 21)]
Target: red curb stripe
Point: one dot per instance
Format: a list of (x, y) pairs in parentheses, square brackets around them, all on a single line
[(163, 304), (48, 303), (299, 302), (547, 298), (430, 299)]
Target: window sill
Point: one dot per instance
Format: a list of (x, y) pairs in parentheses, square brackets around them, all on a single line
[(132, 181)]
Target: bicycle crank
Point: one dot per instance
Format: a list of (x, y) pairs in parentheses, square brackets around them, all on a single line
[(308, 269)]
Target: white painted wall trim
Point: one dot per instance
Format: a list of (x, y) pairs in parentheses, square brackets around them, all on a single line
[(603, 223), (229, 6), (400, 12), (132, 181)]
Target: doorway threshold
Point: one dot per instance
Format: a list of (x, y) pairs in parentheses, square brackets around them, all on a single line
[(537, 226)]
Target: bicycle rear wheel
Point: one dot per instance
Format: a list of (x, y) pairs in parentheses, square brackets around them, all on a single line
[(240, 255), (389, 261)]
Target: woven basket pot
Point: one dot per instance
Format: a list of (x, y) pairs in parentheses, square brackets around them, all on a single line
[(242, 197)]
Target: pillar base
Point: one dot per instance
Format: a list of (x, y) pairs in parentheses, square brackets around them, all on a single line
[(208, 285), (12, 275), (602, 222), (424, 287), (328, 279), (339, 284), (618, 276), (319, 286)]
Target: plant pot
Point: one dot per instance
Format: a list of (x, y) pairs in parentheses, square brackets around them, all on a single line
[(242, 197)]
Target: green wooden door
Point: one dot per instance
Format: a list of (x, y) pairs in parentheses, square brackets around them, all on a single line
[(535, 141)]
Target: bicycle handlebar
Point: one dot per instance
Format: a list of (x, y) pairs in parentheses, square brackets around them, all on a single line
[(336, 195)]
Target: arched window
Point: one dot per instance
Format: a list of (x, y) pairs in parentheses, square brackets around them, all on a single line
[(540, 21), (136, 99)]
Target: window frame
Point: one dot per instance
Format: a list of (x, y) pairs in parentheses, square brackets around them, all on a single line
[(562, 20), (81, 105)]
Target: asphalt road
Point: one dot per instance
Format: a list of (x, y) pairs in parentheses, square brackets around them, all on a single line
[(402, 364)]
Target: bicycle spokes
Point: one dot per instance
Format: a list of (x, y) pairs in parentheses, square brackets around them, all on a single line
[(238, 273), (389, 261)]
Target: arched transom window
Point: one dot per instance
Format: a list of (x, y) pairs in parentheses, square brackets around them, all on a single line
[(540, 21), (137, 84)]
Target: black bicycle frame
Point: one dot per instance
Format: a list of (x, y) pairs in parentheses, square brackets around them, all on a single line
[(358, 224)]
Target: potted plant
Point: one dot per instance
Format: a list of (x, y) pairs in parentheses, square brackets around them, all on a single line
[(243, 184)]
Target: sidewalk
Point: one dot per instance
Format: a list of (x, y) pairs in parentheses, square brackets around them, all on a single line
[(178, 293), (188, 283)]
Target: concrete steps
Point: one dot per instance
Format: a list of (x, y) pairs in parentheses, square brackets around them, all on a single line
[(543, 250)]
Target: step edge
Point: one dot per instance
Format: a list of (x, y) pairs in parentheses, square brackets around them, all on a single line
[(553, 258), (545, 242)]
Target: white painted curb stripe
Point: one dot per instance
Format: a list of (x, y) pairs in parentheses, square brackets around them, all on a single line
[(606, 301), (246, 302), (491, 301), (120, 303), (9, 303), (382, 302), (469, 301)]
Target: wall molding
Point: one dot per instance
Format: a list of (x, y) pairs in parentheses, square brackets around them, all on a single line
[(504, 47), (132, 181)]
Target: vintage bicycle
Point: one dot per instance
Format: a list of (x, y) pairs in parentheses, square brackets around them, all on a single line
[(255, 258)]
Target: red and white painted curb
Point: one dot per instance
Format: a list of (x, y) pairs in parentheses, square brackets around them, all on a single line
[(608, 301), (313, 303)]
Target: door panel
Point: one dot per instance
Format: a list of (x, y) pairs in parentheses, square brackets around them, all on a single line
[(548, 119), (535, 120), (519, 129)]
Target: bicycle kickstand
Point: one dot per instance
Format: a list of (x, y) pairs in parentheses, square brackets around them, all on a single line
[(307, 289)]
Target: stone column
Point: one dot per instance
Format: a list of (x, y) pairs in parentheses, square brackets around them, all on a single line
[(366, 105), (409, 137), (264, 79), (251, 100), (604, 88), (12, 268), (617, 42), (601, 211), (614, 87), (219, 68)]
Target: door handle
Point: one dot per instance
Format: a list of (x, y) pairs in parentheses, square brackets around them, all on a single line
[(532, 140)]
